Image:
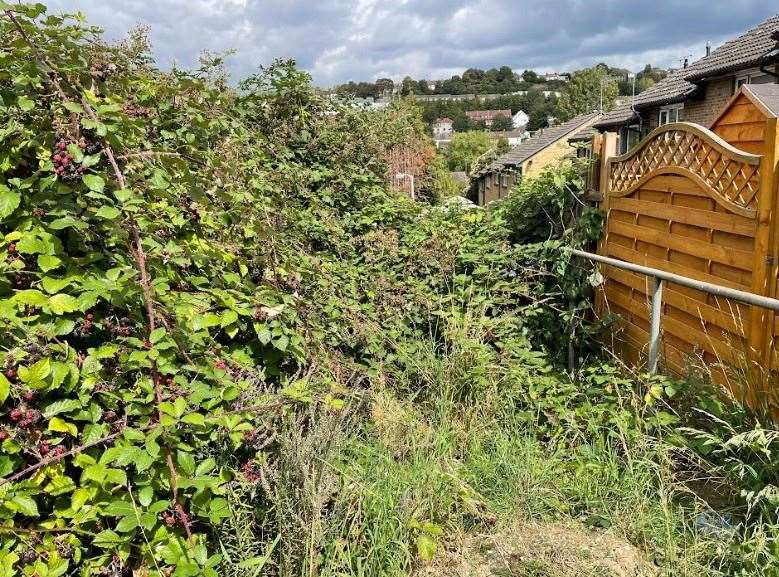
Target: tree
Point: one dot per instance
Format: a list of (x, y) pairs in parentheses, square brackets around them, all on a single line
[(465, 148), (385, 86), (408, 87), (530, 77), (587, 90), (502, 123)]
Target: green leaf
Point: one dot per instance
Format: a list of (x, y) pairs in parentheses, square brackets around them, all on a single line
[(98, 127), (74, 107), (107, 540), (31, 244), (108, 212), (5, 388), (156, 335), (31, 297), (75, 151), (47, 262), (25, 505), (94, 182), (25, 103), (123, 195), (426, 547), (63, 303), (127, 524), (186, 462), (9, 201), (61, 426), (62, 406), (37, 372)]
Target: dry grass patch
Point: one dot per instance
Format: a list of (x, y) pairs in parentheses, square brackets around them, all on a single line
[(541, 550)]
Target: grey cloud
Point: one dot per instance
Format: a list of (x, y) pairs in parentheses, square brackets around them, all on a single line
[(339, 40)]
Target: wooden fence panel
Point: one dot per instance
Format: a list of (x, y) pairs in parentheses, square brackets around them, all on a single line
[(687, 202)]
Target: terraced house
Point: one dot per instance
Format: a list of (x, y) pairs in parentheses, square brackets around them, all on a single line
[(698, 92)]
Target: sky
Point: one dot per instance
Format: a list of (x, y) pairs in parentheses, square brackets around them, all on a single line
[(340, 40)]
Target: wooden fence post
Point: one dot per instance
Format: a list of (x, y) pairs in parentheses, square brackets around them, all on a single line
[(608, 149), (764, 273)]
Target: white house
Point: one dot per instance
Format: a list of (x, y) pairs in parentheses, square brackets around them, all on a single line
[(443, 128), (520, 120)]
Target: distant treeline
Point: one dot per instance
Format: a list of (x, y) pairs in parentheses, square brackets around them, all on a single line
[(501, 80)]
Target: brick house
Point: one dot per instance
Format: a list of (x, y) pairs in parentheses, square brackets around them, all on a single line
[(698, 92), (545, 148), (487, 116)]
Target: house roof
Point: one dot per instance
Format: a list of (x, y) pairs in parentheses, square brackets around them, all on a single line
[(508, 133), (443, 120), (737, 54), (766, 95), (673, 88), (618, 116), (583, 135), (541, 140), (487, 114)]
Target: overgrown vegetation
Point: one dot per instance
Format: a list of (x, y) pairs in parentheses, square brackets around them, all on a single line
[(229, 347)]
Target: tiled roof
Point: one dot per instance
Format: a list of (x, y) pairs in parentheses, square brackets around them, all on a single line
[(767, 95), (540, 141), (672, 88), (583, 135), (739, 53), (444, 119), (487, 114), (620, 115)]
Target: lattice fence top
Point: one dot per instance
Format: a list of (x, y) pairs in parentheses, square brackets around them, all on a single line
[(691, 150)]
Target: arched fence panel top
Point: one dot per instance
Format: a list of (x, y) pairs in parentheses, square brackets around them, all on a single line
[(729, 175)]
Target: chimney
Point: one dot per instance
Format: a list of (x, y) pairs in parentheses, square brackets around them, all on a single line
[(708, 48)]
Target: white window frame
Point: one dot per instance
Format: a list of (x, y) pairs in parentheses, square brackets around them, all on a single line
[(747, 78), (670, 114)]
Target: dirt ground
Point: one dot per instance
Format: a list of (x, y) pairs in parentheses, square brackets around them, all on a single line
[(540, 550)]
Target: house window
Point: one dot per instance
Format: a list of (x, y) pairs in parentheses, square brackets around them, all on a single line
[(669, 114), (752, 78)]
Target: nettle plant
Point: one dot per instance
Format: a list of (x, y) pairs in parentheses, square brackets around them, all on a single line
[(139, 320)]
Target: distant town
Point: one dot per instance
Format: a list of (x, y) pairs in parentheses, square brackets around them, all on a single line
[(507, 104)]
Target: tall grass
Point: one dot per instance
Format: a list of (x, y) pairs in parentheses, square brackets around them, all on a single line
[(461, 437)]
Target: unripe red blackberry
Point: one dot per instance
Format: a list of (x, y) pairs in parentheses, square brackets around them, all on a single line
[(11, 374), (29, 395), (12, 248), (16, 414), (44, 448)]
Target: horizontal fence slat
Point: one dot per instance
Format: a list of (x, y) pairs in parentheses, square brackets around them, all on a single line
[(722, 221), (732, 257), (630, 255), (722, 318), (692, 336)]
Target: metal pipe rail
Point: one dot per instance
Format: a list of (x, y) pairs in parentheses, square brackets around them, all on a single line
[(661, 276)]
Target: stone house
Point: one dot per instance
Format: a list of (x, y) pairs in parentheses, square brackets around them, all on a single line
[(545, 148), (698, 92)]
